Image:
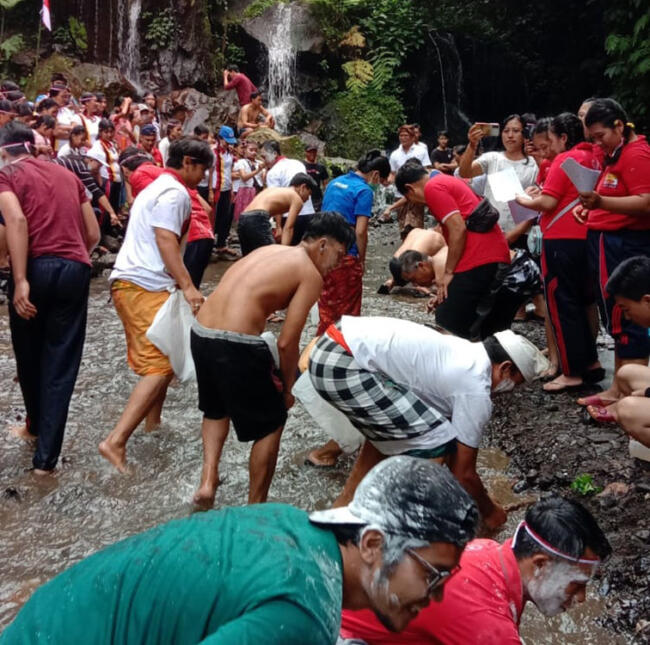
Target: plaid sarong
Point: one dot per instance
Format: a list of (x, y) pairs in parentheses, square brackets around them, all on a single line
[(388, 414)]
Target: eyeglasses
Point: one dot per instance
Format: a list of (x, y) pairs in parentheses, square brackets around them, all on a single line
[(436, 578)]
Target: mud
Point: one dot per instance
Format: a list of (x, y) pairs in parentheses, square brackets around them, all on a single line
[(536, 443)]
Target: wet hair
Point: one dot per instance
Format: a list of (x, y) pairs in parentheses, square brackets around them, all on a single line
[(330, 224), (409, 173), (105, 125), (409, 261), (271, 146), (16, 138), (566, 525), (197, 149), (78, 129), (44, 119), (543, 125), (46, 104), (570, 125), (303, 179), (495, 351), (630, 279), (254, 95), (201, 129), (232, 68), (374, 160), (8, 86), (132, 158), (443, 133), (608, 112), (395, 268)]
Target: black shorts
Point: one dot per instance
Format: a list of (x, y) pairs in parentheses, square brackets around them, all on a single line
[(237, 378), (254, 230)]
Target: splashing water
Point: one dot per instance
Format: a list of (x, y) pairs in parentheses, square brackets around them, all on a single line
[(282, 67)]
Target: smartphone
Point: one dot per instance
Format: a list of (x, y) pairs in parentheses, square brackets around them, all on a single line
[(529, 131), (489, 129)]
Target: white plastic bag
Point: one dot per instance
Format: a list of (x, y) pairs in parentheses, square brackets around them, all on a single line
[(170, 333), (332, 421)]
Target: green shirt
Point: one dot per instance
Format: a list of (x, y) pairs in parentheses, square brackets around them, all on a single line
[(258, 575)]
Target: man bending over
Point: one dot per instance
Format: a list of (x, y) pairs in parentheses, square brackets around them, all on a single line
[(237, 376)]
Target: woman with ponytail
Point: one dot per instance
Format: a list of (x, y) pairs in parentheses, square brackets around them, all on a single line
[(617, 215), (567, 278), (352, 196)]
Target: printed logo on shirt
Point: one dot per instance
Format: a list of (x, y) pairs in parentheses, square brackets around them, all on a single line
[(340, 184), (610, 180)]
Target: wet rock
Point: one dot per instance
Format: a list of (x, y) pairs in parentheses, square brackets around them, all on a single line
[(291, 146), (545, 481), (520, 486), (11, 493), (532, 475), (552, 408), (644, 536), (214, 111), (604, 437)]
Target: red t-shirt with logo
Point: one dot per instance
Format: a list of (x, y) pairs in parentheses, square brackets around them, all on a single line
[(630, 175), (559, 185), (200, 226), (446, 195), (482, 603), (50, 197)]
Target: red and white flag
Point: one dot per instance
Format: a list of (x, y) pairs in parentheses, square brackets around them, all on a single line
[(45, 14)]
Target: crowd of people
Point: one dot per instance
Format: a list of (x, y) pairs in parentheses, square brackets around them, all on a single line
[(413, 399)]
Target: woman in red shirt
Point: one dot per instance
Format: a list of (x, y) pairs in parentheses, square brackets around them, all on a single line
[(617, 215), (567, 278)]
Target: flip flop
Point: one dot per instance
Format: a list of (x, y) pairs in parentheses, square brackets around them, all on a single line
[(561, 388), (601, 415), (594, 400)]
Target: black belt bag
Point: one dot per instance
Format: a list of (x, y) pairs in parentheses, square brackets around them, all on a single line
[(483, 218)]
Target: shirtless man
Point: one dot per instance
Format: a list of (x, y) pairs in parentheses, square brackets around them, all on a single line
[(238, 377), (253, 116), (426, 241), (254, 228)]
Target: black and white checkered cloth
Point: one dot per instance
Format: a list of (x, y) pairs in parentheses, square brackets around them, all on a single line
[(379, 408)]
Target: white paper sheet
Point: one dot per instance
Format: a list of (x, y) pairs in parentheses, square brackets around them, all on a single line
[(584, 179), (505, 185), (521, 213)]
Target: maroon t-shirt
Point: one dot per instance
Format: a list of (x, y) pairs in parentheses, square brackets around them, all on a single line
[(244, 87), (51, 198)]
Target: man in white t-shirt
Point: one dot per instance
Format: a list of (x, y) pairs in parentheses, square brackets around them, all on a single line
[(409, 216), (149, 266), (280, 171), (412, 390)]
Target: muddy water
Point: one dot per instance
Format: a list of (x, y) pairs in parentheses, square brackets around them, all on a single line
[(46, 526)]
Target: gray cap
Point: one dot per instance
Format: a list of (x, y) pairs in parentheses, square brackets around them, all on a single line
[(411, 497)]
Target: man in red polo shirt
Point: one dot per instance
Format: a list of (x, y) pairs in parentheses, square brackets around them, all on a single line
[(476, 261), (233, 79), (549, 561)]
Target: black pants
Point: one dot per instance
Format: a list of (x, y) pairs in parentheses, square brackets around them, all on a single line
[(204, 191), (569, 291), (254, 230), (476, 307), (196, 258), (223, 218), (606, 250), (115, 195), (48, 348)]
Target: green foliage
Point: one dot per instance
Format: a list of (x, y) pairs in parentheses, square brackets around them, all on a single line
[(160, 28), (72, 37), (10, 46), (361, 120), (628, 49), (584, 485), (393, 25), (9, 4), (235, 54), (258, 7)]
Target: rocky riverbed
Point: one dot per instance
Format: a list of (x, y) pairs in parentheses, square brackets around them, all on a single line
[(536, 444)]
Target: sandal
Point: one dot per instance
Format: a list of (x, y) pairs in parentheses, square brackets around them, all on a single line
[(601, 415), (594, 400)]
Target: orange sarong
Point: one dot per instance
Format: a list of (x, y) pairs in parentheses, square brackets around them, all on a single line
[(137, 308)]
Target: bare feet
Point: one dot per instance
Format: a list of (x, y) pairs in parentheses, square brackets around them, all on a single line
[(21, 432), (562, 383), (204, 496), (114, 454), (151, 425), (325, 456)]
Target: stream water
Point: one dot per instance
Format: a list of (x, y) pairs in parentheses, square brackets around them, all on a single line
[(45, 526)]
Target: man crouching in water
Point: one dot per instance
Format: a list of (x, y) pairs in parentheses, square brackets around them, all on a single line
[(235, 370)]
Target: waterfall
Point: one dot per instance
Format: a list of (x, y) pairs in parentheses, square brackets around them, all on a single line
[(282, 66), (128, 39), (96, 35), (442, 81)]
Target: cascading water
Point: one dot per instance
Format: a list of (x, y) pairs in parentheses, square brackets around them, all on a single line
[(282, 66), (442, 80), (128, 39)]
